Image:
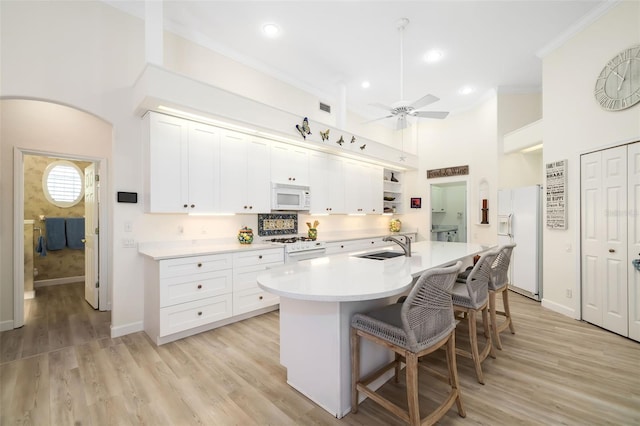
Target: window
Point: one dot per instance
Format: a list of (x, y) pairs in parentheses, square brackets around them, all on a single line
[(63, 183)]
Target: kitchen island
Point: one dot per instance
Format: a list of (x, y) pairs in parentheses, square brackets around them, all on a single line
[(318, 297)]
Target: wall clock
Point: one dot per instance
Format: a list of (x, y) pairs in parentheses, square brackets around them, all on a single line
[(618, 85)]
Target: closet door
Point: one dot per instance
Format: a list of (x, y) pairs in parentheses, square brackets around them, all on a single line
[(633, 167), (604, 239)]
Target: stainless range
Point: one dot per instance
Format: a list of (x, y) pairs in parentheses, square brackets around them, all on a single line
[(299, 248)]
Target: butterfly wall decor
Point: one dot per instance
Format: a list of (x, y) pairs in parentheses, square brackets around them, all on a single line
[(304, 128), (353, 139), (324, 135), (340, 141)]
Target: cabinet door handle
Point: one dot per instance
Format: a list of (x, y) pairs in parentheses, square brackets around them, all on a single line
[(250, 207), (612, 251), (200, 313), (193, 205), (260, 297), (185, 206), (341, 246), (260, 257), (199, 286), (199, 265)]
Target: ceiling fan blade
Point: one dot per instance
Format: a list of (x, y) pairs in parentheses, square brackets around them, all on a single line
[(380, 105), (424, 101), (402, 123), (430, 114), (377, 119)]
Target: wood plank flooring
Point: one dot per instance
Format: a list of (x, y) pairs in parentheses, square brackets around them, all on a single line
[(554, 371)]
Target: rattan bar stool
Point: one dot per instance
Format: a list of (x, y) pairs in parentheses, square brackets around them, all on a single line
[(420, 325), (499, 284), (470, 296)]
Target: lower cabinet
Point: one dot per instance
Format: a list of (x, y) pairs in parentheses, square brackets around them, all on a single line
[(188, 295)]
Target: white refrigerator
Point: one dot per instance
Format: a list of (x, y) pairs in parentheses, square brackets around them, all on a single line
[(520, 221)]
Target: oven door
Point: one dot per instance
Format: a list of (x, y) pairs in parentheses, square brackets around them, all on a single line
[(305, 255)]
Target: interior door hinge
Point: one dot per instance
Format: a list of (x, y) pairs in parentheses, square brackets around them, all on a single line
[(97, 231), (97, 284), (97, 178)]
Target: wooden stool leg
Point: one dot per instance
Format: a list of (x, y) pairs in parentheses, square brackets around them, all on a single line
[(412, 388), (397, 368), (453, 372), (507, 311), (473, 341), (487, 331), (355, 369), (494, 319)]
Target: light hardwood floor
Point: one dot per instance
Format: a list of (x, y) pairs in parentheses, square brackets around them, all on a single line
[(555, 370)]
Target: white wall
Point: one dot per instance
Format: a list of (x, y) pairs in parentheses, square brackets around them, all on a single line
[(468, 138), (574, 124)]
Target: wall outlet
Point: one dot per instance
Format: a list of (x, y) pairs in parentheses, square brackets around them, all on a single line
[(569, 293), (129, 243)]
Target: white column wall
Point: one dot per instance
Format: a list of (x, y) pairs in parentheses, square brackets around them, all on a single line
[(574, 124)]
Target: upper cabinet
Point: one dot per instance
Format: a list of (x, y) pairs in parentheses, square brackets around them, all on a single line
[(244, 174), (326, 179), (363, 188), (181, 160), (392, 187), (289, 164), (437, 200)]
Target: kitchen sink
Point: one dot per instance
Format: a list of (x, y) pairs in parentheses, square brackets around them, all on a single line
[(381, 255)]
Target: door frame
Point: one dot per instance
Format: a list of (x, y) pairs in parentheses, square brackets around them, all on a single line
[(448, 181), (18, 228)]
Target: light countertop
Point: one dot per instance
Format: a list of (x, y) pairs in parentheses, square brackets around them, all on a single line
[(349, 278)]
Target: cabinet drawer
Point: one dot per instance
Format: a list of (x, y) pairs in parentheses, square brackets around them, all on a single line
[(258, 257), (194, 287), (246, 277), (251, 300), (194, 314), (194, 265)]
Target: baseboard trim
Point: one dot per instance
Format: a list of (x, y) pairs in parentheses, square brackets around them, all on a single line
[(123, 330), (561, 309), (57, 281), (6, 325)]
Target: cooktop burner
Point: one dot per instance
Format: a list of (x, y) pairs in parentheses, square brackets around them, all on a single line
[(287, 240)]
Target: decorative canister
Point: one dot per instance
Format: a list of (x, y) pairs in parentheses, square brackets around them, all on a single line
[(313, 233), (395, 225), (245, 235)]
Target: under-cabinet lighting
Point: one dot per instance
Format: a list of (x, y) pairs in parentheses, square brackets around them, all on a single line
[(387, 214), (532, 148), (212, 214), (357, 214), (318, 214)]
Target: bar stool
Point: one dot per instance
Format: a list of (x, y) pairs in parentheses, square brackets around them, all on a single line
[(420, 325), (470, 296), (499, 284)]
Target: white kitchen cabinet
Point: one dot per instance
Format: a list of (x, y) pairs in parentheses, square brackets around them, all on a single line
[(244, 174), (437, 200), (181, 165), (363, 188), (247, 296), (185, 293), (326, 179), (289, 164)]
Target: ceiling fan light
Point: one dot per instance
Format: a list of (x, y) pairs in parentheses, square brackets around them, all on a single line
[(433, 56), (365, 84), (270, 30)]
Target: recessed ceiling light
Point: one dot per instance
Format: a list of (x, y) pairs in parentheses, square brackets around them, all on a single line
[(433, 56), (465, 90), (365, 84), (270, 30)]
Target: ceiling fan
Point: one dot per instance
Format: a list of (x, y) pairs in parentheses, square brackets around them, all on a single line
[(403, 109)]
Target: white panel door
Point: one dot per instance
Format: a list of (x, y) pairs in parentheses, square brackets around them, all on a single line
[(233, 173), (91, 269), (258, 175), (633, 252), (604, 239)]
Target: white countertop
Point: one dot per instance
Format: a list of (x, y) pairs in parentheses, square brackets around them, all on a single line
[(348, 278), (160, 250)]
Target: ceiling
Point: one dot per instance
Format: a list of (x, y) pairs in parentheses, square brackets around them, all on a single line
[(331, 47)]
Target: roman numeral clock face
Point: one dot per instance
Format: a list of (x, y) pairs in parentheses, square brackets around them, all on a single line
[(618, 85)]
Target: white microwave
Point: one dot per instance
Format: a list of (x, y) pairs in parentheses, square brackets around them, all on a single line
[(290, 197)]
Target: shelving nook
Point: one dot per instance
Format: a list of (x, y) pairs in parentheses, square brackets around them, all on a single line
[(392, 194)]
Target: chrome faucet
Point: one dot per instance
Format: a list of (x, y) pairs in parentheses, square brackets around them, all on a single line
[(406, 246)]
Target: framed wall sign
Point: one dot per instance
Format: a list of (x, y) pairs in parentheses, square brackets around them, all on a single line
[(416, 203), (556, 174)]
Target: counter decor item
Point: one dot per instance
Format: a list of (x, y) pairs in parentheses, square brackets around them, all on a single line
[(485, 212), (245, 235), (395, 225), (393, 178), (313, 230)]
